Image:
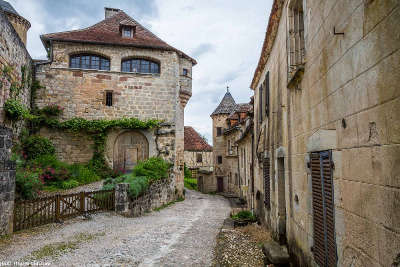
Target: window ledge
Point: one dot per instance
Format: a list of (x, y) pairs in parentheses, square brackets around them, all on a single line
[(109, 71), (296, 78)]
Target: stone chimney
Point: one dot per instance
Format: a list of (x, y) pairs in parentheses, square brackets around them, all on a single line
[(109, 12)]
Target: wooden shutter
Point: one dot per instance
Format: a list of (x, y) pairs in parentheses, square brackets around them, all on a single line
[(267, 94), (260, 109), (323, 209), (267, 183)]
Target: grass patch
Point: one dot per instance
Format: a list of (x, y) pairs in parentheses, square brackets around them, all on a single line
[(56, 249), (169, 204), (190, 183)]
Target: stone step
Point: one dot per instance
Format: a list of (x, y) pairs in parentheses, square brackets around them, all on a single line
[(275, 253)]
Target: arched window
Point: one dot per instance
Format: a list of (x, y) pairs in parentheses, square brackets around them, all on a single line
[(89, 61), (140, 65)]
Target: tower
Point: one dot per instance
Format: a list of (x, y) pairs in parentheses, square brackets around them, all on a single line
[(20, 24)]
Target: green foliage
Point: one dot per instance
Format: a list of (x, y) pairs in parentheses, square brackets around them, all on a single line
[(35, 146), (69, 184), (137, 185), (155, 168), (186, 172), (15, 110), (190, 183), (244, 215), (27, 184), (52, 110), (83, 174)]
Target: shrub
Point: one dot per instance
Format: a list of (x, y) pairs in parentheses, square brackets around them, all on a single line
[(52, 175), (52, 110), (35, 146), (187, 173), (27, 184), (83, 174), (155, 168), (190, 183), (69, 184), (15, 110), (137, 184), (244, 215)]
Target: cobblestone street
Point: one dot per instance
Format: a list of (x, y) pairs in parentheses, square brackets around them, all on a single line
[(180, 235)]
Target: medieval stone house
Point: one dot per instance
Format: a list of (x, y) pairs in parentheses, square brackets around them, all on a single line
[(231, 159), (199, 160), (326, 131), (117, 69)]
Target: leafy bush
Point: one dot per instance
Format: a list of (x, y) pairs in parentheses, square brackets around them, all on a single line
[(137, 185), (52, 175), (15, 110), (155, 168), (52, 110), (83, 174), (190, 183), (244, 215), (186, 172), (69, 184), (27, 184), (35, 146)]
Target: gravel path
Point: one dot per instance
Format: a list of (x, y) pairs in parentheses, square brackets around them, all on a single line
[(181, 235)]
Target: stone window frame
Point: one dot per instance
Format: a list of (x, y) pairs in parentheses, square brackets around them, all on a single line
[(151, 63), (104, 63), (107, 99), (296, 55)]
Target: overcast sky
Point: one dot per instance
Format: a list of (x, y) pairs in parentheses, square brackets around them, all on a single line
[(224, 36)]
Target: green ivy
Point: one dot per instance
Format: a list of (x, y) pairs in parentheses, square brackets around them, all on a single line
[(15, 110)]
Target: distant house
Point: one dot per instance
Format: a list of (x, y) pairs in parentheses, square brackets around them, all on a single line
[(198, 157)]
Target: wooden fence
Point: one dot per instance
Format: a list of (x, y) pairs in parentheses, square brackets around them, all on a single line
[(31, 213)]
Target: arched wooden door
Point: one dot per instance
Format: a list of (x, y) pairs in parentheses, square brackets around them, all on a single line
[(129, 148)]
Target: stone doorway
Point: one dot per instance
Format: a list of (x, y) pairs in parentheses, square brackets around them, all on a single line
[(220, 184), (129, 148)]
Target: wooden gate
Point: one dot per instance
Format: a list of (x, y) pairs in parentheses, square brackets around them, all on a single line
[(40, 211), (324, 248)]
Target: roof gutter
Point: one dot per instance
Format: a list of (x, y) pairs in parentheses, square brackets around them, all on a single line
[(49, 50)]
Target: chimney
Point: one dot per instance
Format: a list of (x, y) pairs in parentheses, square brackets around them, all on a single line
[(109, 12)]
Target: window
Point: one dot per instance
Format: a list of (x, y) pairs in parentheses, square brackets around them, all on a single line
[(199, 158), (140, 66), (185, 72), (219, 159), (266, 82), (126, 32), (296, 56), (260, 106), (219, 131), (229, 147), (194, 173), (109, 98), (87, 61)]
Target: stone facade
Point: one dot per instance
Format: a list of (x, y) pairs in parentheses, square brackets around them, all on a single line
[(159, 193), (82, 93), (7, 182), (343, 99)]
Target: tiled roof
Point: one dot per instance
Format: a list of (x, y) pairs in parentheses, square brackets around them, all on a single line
[(107, 32), (194, 142), (243, 107), (7, 7), (227, 105)]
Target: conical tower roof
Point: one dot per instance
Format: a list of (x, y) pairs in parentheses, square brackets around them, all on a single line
[(227, 105)]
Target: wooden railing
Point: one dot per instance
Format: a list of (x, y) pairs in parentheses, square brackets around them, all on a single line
[(40, 211)]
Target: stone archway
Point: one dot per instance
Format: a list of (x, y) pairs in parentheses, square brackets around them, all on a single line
[(129, 148)]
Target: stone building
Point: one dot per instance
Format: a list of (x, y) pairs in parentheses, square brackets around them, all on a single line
[(227, 120), (15, 66), (326, 131), (199, 159), (117, 69)]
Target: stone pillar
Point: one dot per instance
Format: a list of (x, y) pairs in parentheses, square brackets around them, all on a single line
[(7, 182), (121, 198)]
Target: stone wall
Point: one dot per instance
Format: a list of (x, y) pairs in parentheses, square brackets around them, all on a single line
[(191, 159), (7, 182), (348, 102), (13, 54), (159, 193)]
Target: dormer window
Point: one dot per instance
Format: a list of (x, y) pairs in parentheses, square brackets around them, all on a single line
[(127, 32)]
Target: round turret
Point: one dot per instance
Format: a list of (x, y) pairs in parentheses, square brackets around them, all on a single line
[(20, 24)]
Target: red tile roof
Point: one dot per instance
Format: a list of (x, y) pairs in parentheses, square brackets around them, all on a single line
[(194, 142), (107, 32)]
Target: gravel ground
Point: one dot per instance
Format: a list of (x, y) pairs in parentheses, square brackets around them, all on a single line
[(180, 235)]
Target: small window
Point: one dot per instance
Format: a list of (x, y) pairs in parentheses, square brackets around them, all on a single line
[(109, 98), (185, 72), (199, 157), (140, 66), (219, 131), (87, 61), (126, 32), (219, 159), (194, 173)]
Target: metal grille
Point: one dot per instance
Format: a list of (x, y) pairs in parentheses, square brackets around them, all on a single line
[(267, 182), (323, 209)]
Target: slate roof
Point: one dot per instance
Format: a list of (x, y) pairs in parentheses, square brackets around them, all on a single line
[(227, 105), (194, 142), (107, 32), (7, 7)]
